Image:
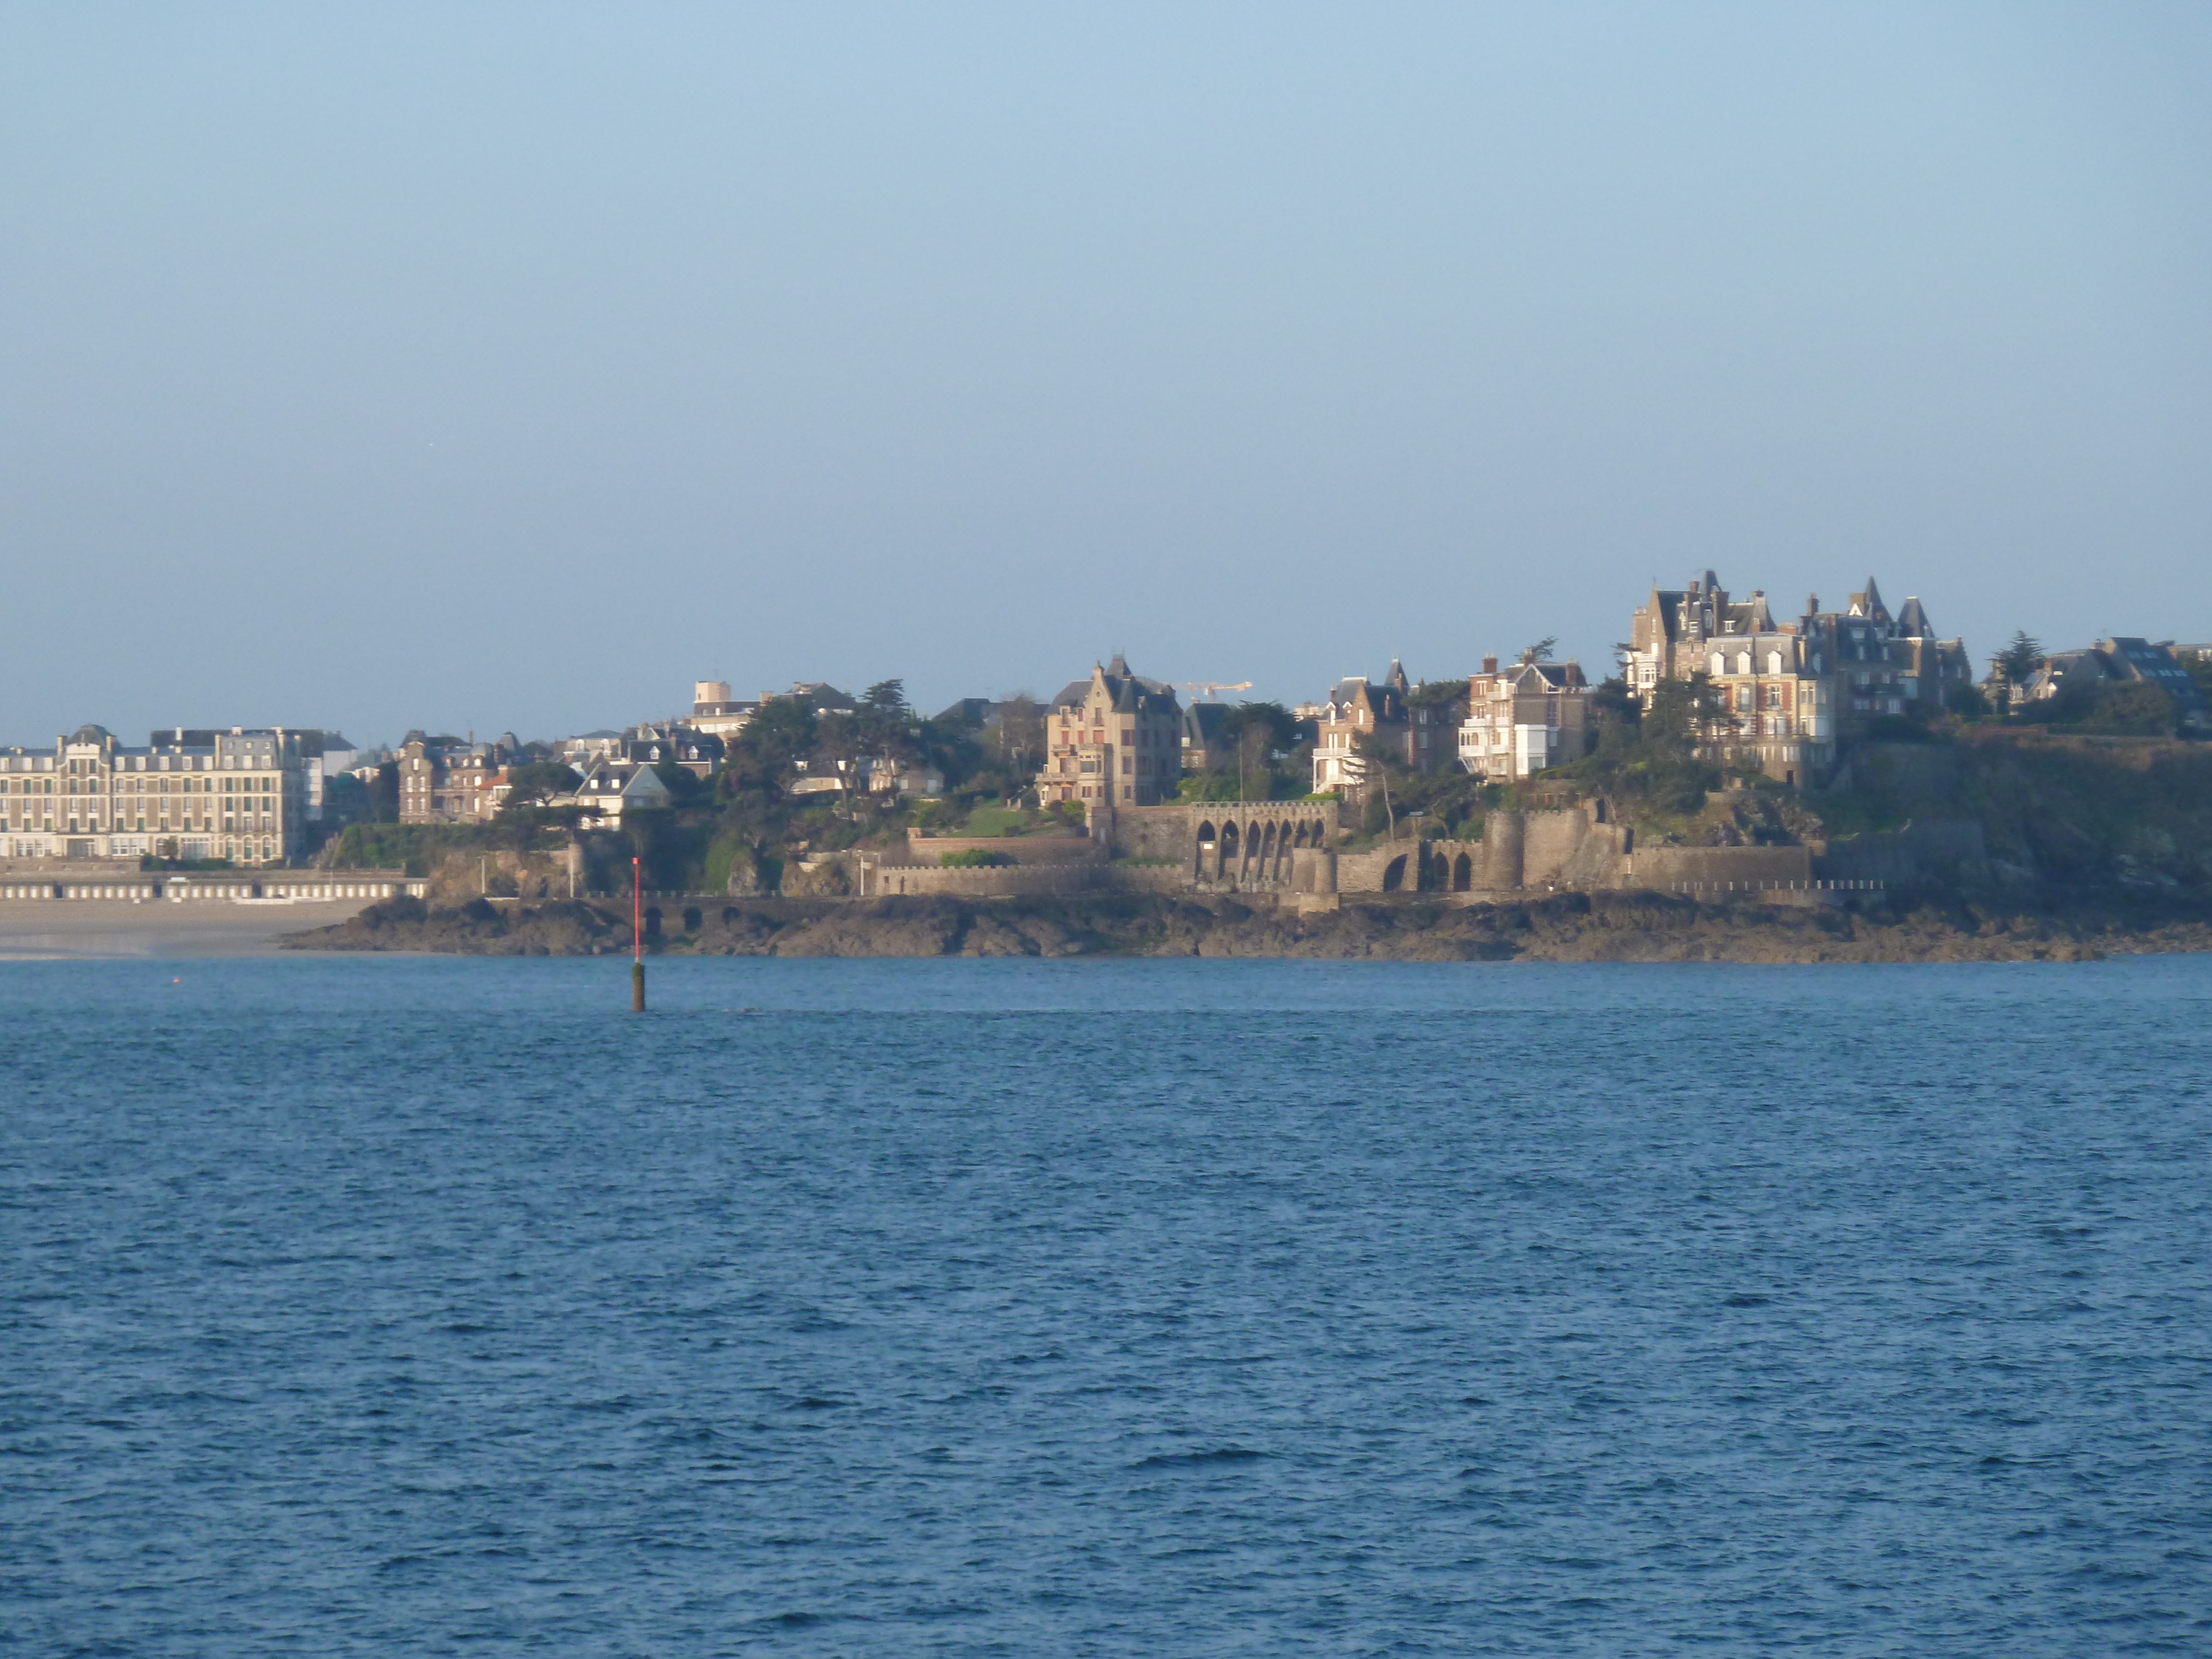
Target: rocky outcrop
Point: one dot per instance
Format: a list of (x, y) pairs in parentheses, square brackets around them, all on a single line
[(1563, 927)]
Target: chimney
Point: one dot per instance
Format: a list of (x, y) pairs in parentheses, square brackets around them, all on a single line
[(1490, 665)]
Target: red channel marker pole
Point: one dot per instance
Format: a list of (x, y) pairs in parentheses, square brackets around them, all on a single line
[(637, 940)]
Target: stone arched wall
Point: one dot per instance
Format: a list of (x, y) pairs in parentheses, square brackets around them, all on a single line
[(1428, 866), (1226, 846), (1247, 845)]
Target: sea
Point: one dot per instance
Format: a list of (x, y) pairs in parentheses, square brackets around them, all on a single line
[(416, 1306)]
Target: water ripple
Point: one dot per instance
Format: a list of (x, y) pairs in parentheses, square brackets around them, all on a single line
[(399, 1307)]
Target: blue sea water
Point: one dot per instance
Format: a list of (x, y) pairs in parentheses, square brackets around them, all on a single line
[(411, 1306)]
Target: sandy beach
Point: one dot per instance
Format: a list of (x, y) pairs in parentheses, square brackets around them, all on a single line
[(52, 929)]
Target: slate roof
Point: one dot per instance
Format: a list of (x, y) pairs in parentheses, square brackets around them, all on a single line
[(1549, 676), (1868, 604), (1128, 691)]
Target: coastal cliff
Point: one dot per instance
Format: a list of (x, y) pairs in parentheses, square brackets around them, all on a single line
[(1562, 927)]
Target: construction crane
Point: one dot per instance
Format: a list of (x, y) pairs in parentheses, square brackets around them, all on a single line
[(1208, 688)]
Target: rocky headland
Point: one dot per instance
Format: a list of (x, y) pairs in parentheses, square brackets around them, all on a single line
[(1562, 928)]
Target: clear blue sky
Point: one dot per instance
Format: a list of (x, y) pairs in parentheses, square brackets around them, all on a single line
[(511, 366)]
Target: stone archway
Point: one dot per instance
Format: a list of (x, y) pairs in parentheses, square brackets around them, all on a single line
[(1207, 843), (1394, 877), (1462, 873), (1230, 837)]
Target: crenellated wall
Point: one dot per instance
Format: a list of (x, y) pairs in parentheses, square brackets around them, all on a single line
[(922, 849), (1572, 848), (879, 879), (1289, 848), (1675, 868)]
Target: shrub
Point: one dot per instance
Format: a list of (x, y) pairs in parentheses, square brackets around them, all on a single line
[(1897, 728), (2126, 707), (975, 858)]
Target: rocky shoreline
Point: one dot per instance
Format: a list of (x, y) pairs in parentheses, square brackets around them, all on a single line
[(1559, 927)]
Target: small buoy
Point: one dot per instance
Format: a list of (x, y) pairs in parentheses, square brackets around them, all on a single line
[(176, 981)]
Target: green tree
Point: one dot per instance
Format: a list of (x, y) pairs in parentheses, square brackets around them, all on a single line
[(2131, 706), (383, 786), (345, 800), (2199, 665), (2017, 663), (1277, 727), (778, 736), (1682, 711), (1017, 745), (1379, 758), (1966, 701), (840, 742), (535, 784), (1615, 705), (1650, 755), (683, 785), (1446, 700), (1261, 733)]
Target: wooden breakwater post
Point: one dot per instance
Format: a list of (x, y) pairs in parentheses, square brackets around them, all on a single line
[(636, 940)]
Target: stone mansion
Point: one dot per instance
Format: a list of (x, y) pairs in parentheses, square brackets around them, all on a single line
[(1790, 690), (1112, 740)]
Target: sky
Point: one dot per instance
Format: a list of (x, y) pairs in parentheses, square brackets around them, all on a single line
[(510, 367)]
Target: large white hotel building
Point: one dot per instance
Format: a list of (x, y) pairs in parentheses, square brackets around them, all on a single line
[(240, 794)]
